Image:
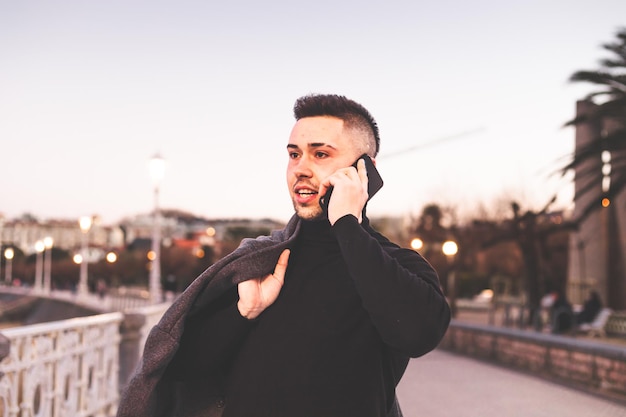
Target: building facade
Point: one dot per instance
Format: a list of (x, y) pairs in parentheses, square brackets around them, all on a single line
[(597, 257)]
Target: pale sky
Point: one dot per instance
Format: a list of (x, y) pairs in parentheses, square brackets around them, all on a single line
[(90, 90)]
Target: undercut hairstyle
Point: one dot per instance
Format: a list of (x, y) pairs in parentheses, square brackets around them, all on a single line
[(353, 114)]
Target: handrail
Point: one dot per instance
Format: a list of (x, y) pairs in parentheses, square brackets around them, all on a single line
[(64, 368)]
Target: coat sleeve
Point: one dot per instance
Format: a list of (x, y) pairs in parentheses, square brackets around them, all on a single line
[(398, 287)]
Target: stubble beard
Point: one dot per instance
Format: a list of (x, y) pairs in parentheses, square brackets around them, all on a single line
[(309, 212)]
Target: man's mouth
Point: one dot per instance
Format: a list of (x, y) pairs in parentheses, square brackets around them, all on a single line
[(305, 195)]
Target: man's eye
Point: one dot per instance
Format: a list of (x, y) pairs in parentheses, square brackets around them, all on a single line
[(293, 155), (321, 155)]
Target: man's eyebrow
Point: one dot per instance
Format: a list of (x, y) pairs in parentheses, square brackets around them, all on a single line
[(319, 145), (311, 145)]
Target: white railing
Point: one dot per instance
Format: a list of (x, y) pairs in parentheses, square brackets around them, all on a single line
[(66, 368), (125, 298)]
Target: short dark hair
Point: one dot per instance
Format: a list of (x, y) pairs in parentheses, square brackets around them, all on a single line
[(352, 113)]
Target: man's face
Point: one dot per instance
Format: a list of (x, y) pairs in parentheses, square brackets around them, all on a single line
[(318, 146)]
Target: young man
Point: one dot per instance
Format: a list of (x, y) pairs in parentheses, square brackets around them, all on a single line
[(319, 319)]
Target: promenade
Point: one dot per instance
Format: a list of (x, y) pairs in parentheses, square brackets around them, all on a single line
[(439, 384), (442, 384)]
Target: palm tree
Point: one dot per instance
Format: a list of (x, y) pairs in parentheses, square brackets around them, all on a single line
[(600, 161), (610, 109)]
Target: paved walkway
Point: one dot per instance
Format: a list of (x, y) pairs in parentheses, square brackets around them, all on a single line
[(443, 384)]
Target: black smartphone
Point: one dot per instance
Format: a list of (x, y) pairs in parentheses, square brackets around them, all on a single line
[(374, 182)]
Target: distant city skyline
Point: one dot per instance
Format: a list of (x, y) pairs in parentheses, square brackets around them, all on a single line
[(92, 90)]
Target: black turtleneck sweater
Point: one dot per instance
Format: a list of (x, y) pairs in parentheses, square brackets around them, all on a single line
[(353, 309)]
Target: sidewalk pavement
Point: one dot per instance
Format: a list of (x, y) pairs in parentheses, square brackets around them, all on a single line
[(442, 384)]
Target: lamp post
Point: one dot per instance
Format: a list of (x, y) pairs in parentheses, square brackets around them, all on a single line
[(47, 264), (39, 248), (8, 255), (85, 224), (450, 249), (157, 172)]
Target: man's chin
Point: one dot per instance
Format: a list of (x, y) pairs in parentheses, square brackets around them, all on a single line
[(309, 213)]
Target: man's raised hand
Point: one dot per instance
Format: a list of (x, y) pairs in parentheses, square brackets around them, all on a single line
[(256, 294)]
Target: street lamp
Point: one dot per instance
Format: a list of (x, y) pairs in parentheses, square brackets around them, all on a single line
[(47, 264), (417, 243), (39, 248), (8, 255), (85, 224), (450, 249), (157, 172), (111, 257)]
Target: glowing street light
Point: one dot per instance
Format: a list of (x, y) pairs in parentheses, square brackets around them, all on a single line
[(111, 257), (85, 224), (450, 249), (8, 255), (47, 265), (157, 172), (417, 243)]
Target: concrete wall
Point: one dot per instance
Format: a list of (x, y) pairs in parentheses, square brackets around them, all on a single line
[(595, 367)]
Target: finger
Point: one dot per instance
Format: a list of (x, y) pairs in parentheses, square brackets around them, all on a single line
[(362, 170), (348, 171), (323, 189), (327, 183), (281, 266)]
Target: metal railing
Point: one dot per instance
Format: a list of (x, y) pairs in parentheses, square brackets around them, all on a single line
[(66, 368), (72, 367)]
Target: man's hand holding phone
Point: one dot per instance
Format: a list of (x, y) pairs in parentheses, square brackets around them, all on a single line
[(349, 193), (351, 188)]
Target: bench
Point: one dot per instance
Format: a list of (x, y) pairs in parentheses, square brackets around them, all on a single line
[(597, 328), (616, 324)]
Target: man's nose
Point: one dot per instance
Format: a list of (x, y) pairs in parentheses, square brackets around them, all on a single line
[(303, 168)]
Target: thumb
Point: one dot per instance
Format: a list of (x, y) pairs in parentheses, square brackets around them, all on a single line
[(281, 266)]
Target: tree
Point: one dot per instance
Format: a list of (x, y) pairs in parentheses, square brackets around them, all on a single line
[(541, 238), (429, 229)]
